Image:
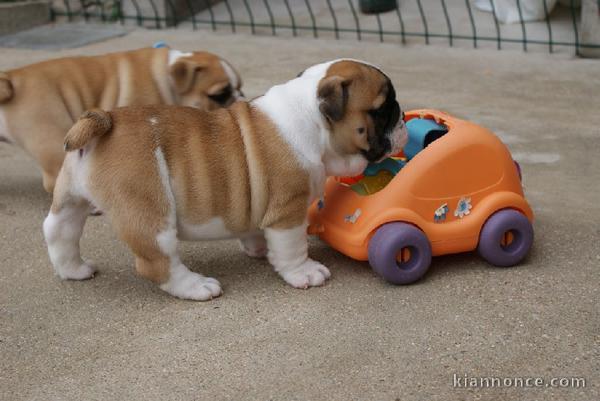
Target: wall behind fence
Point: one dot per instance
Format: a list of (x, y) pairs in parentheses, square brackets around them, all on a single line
[(547, 25)]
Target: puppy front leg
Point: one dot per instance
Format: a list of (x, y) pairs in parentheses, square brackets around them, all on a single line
[(288, 253), (157, 259)]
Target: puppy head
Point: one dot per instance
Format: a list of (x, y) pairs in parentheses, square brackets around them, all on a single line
[(203, 80), (359, 107)]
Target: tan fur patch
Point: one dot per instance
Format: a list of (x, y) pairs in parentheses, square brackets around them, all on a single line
[(155, 269)]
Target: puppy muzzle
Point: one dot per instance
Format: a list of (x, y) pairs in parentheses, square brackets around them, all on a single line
[(398, 138)]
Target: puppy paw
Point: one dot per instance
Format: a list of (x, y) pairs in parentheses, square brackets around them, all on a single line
[(193, 286), (82, 272), (255, 247), (308, 274)]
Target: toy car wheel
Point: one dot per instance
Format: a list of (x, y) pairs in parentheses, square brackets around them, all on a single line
[(505, 238), (400, 253)]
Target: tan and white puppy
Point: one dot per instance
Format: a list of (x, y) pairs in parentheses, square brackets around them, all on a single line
[(40, 102), (164, 174)]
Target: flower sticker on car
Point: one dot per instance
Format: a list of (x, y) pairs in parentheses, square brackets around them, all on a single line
[(440, 213), (463, 208)]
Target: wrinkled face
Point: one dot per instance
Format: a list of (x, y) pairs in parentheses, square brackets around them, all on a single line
[(364, 119), (205, 81)]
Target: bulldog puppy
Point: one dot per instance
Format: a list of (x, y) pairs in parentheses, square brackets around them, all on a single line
[(40, 102), (164, 174)]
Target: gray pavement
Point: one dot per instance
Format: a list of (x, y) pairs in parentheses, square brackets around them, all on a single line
[(119, 337), (61, 36)]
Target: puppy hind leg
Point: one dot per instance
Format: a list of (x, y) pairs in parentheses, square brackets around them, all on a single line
[(157, 259), (63, 228), (288, 253)]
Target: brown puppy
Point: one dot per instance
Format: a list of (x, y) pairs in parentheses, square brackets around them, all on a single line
[(40, 102), (168, 173)]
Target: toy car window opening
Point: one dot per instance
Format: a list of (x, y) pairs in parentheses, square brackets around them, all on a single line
[(422, 131), (433, 135)]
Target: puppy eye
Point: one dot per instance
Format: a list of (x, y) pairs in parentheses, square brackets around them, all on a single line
[(222, 96), (361, 130)]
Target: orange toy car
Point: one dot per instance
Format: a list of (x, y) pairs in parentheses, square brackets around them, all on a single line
[(459, 190)]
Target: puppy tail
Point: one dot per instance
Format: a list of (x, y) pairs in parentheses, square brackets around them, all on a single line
[(92, 124), (6, 88)]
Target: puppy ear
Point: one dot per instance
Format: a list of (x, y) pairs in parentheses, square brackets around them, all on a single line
[(183, 72), (333, 97)]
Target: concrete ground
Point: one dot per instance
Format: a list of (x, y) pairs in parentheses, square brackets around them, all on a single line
[(119, 337)]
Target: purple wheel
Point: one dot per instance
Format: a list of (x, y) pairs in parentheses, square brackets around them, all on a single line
[(505, 238), (400, 253)]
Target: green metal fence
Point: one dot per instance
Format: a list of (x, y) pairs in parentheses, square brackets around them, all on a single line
[(455, 22)]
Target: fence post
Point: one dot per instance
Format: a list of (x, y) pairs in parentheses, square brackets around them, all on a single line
[(590, 28)]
